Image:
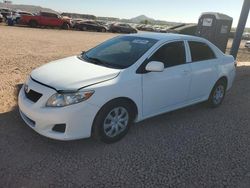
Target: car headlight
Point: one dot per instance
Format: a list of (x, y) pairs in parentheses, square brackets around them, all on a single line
[(66, 98)]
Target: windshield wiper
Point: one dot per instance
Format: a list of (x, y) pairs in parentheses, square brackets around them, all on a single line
[(95, 60), (98, 61)]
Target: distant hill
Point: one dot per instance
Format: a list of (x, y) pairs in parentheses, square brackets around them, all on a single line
[(28, 8), (140, 18)]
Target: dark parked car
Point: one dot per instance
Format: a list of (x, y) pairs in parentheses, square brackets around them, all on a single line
[(75, 21), (122, 28), (185, 29), (5, 12), (90, 26), (1, 18)]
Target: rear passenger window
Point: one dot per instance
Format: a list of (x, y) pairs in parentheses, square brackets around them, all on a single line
[(171, 54), (200, 51), (49, 15)]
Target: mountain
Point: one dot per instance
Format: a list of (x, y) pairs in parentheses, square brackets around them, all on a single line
[(140, 18), (28, 8)]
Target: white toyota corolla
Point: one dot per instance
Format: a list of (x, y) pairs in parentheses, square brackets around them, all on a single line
[(123, 80)]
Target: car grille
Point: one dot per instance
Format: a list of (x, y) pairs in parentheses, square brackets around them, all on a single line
[(33, 95)]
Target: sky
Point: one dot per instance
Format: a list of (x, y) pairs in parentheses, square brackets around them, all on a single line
[(169, 10)]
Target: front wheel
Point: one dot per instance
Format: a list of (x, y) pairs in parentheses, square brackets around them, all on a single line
[(83, 28), (65, 26), (113, 121), (103, 30), (218, 93)]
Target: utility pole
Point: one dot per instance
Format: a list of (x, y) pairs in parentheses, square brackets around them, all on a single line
[(240, 28)]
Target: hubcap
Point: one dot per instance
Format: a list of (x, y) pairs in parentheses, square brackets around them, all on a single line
[(218, 94), (116, 121)]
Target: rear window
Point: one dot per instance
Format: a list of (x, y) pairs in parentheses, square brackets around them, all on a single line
[(200, 51), (50, 15)]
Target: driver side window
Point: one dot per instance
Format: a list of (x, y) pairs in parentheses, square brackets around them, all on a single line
[(171, 54)]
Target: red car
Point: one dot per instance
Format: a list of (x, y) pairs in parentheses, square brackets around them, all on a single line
[(46, 19)]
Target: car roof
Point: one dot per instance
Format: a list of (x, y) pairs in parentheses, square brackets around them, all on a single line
[(48, 12), (166, 36)]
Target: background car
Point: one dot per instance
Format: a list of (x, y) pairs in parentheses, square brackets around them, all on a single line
[(247, 44), (246, 36), (75, 21), (5, 12), (122, 28), (19, 13), (90, 26), (15, 16), (1, 18), (46, 19), (160, 29)]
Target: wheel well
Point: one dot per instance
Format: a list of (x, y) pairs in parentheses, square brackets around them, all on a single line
[(65, 25), (224, 79), (130, 101)]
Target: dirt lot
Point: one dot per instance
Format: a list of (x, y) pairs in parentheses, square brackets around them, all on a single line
[(23, 49), (192, 147)]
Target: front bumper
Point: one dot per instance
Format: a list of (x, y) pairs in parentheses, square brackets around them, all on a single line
[(78, 118)]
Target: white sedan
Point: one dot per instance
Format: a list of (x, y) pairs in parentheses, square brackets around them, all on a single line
[(126, 79), (247, 44)]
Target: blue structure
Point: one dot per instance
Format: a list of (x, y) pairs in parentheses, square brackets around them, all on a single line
[(240, 28)]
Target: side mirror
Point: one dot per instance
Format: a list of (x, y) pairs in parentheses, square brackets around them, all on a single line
[(155, 66)]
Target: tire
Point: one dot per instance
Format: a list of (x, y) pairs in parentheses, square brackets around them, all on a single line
[(217, 94), (113, 121), (103, 30), (33, 24), (65, 26), (83, 28)]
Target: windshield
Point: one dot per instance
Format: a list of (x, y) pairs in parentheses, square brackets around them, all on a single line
[(120, 52)]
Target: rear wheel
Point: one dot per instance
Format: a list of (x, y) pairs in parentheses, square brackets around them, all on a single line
[(218, 93), (65, 26), (103, 30), (113, 121), (83, 28)]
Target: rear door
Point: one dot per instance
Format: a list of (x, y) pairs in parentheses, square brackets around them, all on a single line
[(50, 19), (92, 26), (204, 72), (123, 28), (165, 90)]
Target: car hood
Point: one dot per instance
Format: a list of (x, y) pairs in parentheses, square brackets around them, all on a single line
[(72, 73)]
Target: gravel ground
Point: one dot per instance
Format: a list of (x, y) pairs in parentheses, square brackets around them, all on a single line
[(193, 147), (22, 49)]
